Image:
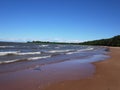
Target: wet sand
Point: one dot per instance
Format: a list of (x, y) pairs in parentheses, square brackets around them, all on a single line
[(107, 76), (40, 77)]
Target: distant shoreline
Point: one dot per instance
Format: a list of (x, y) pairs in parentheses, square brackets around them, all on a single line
[(114, 42)]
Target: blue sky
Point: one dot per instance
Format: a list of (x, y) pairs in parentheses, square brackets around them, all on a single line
[(59, 20)]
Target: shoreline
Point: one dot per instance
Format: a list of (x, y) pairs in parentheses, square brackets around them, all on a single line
[(106, 77), (57, 76), (26, 63)]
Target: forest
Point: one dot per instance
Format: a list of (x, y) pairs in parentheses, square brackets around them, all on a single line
[(114, 41)]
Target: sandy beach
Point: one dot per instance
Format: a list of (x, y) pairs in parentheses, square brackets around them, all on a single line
[(69, 75), (107, 76), (60, 45)]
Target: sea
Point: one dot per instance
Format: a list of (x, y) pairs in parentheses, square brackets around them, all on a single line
[(24, 52)]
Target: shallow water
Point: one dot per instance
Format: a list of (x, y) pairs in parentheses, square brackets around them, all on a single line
[(40, 76)]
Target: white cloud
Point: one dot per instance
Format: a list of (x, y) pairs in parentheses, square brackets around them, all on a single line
[(36, 39)]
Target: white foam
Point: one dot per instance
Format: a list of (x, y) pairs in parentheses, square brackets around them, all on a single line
[(85, 49), (43, 45), (9, 52), (9, 61), (6, 46), (35, 58), (18, 53), (81, 50), (71, 52), (58, 51), (27, 59), (29, 53)]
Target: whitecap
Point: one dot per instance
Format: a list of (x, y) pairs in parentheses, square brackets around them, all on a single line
[(9, 52), (7, 46)]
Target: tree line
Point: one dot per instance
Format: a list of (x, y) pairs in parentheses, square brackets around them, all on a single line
[(114, 41), (48, 42)]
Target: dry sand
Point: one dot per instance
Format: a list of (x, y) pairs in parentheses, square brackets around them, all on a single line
[(107, 76)]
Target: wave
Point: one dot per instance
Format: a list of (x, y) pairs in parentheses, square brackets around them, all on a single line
[(36, 58), (26, 59), (81, 50), (55, 56), (7, 46), (11, 61), (18, 53), (59, 51), (69, 51), (29, 53), (9, 53), (85, 49), (43, 45)]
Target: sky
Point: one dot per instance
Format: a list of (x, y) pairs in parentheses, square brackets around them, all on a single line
[(59, 20)]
